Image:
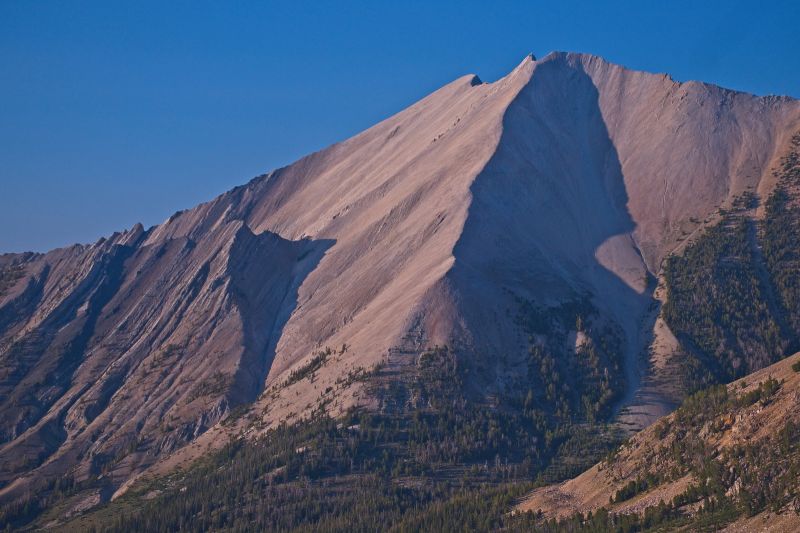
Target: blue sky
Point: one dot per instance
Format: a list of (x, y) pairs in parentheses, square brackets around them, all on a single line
[(113, 113)]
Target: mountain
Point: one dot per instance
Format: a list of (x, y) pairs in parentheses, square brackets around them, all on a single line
[(729, 456), (496, 248)]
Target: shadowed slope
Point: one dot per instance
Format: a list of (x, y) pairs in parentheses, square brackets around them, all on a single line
[(546, 210)]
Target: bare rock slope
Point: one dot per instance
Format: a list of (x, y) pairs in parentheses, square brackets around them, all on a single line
[(569, 176)]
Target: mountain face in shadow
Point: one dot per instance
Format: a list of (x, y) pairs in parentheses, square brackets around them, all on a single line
[(522, 224), (549, 221)]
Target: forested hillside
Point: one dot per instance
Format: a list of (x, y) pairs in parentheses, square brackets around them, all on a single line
[(431, 455), (734, 292), (781, 236)]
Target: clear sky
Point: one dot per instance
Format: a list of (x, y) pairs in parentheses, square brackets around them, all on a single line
[(113, 113)]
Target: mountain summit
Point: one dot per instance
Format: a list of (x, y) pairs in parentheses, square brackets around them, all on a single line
[(518, 229)]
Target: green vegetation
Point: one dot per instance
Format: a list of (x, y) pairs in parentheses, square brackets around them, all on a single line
[(51, 494), (719, 306), (9, 276), (317, 361), (634, 487), (212, 386), (445, 426), (781, 235), (571, 384), (320, 475)]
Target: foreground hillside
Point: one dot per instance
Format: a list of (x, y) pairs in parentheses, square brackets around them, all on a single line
[(729, 456)]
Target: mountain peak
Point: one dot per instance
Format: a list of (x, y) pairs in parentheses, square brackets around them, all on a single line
[(561, 186)]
